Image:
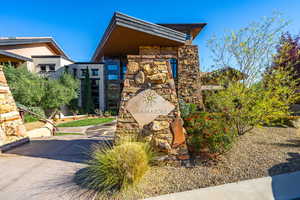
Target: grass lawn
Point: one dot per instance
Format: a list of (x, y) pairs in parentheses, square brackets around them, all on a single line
[(85, 122), (62, 134)]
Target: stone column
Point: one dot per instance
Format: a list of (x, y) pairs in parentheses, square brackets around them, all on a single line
[(149, 107), (189, 85), (11, 124)]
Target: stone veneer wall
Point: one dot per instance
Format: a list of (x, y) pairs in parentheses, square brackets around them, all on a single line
[(158, 50), (189, 84), (150, 72), (11, 124)]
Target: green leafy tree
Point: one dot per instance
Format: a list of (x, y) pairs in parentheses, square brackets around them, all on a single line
[(33, 90), (253, 101), (249, 50), (27, 88), (87, 100)]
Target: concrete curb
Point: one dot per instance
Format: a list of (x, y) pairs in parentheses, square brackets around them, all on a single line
[(14, 144), (283, 186)]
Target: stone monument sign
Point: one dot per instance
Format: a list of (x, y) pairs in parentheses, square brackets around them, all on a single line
[(149, 107)]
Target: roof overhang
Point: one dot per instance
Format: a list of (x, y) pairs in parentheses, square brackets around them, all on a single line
[(125, 34), (14, 56), (53, 56), (192, 29), (33, 40)]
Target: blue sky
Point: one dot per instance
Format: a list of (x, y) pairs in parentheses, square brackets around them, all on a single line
[(78, 25)]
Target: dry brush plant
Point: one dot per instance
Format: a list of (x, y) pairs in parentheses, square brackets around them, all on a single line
[(118, 168)]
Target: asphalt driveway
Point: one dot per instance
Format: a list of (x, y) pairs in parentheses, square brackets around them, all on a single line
[(44, 168)]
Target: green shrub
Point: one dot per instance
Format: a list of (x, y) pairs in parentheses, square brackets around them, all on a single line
[(209, 132), (186, 108), (32, 118), (117, 168)]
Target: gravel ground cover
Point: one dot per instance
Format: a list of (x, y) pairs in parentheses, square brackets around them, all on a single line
[(263, 152)]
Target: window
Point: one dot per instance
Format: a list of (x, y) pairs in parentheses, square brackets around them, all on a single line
[(83, 72), (47, 67), (113, 77), (112, 67), (51, 67), (124, 69), (95, 72), (188, 36), (74, 72), (173, 63), (43, 68)]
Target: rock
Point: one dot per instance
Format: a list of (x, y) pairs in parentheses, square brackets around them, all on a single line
[(5, 108), (162, 145), (161, 66), (147, 68), (21, 130), (159, 125), (171, 83), (139, 78), (158, 78), (126, 83), (2, 136), (132, 67), (178, 132)]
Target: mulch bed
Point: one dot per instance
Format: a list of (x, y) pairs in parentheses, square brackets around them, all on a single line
[(263, 152)]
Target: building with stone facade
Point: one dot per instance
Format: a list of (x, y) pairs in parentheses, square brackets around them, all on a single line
[(124, 36), (127, 36)]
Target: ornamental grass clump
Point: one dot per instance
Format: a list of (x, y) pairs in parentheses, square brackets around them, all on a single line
[(117, 168)]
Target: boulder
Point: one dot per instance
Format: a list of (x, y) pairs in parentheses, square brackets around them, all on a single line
[(162, 145), (139, 78), (158, 78), (159, 125), (147, 68), (178, 132), (133, 67)]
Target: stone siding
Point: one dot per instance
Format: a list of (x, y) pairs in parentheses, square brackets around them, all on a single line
[(189, 84), (151, 72), (11, 124), (158, 50)]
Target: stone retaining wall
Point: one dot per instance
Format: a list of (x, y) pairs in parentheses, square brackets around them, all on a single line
[(11, 124)]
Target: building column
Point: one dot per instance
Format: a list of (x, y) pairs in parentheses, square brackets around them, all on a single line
[(189, 85)]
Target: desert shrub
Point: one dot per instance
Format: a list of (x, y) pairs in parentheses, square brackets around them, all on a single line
[(117, 168), (262, 103), (209, 132), (186, 108)]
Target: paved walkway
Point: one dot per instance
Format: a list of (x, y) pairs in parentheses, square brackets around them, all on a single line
[(281, 187), (44, 168), (110, 126)]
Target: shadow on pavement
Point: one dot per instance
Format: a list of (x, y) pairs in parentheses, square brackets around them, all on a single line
[(286, 186), (76, 150)]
